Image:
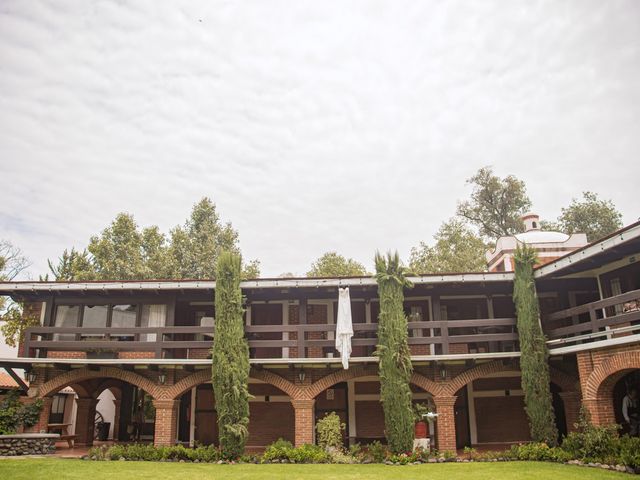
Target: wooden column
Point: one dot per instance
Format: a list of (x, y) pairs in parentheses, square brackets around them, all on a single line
[(445, 423), (304, 416), (444, 331), (85, 421)]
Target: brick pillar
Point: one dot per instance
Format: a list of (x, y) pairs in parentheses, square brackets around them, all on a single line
[(85, 421), (304, 420), (166, 422), (43, 421), (571, 402), (446, 423)]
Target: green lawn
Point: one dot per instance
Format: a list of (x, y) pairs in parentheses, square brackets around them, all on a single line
[(55, 469)]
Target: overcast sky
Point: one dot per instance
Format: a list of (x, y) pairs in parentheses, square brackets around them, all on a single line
[(314, 126)]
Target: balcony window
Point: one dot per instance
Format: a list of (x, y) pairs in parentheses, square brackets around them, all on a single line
[(152, 316), (66, 316), (95, 316), (123, 316)]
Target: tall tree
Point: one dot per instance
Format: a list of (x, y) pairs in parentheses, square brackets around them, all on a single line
[(534, 354), (230, 369), (394, 365), (123, 251), (332, 264), (457, 249), (597, 218), (73, 265), (13, 318), (117, 251), (195, 246), (496, 204)]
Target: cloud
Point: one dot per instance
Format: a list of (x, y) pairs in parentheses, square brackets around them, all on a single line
[(314, 126)]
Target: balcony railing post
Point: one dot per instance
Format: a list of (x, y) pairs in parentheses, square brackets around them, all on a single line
[(302, 320), (594, 319)]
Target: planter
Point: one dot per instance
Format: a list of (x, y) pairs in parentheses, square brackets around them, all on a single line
[(421, 430)]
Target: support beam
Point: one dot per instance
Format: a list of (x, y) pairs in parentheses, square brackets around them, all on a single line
[(16, 378)]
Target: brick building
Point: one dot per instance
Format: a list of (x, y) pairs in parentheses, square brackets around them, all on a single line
[(148, 344)]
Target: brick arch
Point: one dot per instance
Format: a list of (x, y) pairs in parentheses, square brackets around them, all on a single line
[(566, 382), (468, 376), (203, 376), (75, 376), (561, 379), (111, 383), (603, 378), (328, 381)]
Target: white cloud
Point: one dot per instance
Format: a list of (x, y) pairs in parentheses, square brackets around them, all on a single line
[(312, 125)]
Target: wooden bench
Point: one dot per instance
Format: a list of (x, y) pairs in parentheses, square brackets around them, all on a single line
[(70, 439)]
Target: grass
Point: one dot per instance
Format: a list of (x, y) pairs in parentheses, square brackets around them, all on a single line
[(56, 468)]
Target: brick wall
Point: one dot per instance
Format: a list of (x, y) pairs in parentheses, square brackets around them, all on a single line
[(136, 355), (501, 419), (269, 421), (369, 419)]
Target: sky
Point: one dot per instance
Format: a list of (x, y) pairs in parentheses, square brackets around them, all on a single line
[(314, 126)]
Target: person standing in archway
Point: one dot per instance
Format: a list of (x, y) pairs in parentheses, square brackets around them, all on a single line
[(631, 411)]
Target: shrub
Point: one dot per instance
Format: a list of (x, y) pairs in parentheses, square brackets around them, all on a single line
[(149, 453), (284, 450), (377, 451), (538, 452), (329, 430), (629, 451), (591, 443), (14, 413)]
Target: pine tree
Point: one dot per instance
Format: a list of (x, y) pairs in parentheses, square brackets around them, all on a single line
[(534, 354), (230, 369), (394, 356)]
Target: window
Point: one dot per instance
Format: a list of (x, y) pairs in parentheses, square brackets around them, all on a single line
[(95, 316), (123, 316), (152, 316), (66, 316)]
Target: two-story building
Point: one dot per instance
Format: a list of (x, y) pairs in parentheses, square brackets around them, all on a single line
[(148, 343)]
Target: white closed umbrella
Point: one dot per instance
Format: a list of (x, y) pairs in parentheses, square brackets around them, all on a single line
[(344, 326)]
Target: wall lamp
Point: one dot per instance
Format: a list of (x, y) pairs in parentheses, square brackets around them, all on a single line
[(302, 375), (162, 377), (443, 372), (32, 376)]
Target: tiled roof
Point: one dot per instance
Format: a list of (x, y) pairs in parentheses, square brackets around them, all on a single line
[(7, 382)]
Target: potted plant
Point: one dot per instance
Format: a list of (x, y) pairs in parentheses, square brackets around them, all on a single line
[(419, 412)]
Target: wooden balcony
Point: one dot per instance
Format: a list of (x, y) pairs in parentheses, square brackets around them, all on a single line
[(609, 318), (444, 337)]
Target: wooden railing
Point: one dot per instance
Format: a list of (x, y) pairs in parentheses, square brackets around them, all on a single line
[(618, 315), (497, 334)]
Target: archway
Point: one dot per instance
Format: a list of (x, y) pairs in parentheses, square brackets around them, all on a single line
[(606, 383)]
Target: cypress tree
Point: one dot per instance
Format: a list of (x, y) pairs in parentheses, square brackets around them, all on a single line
[(230, 369), (534, 353), (393, 352)]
